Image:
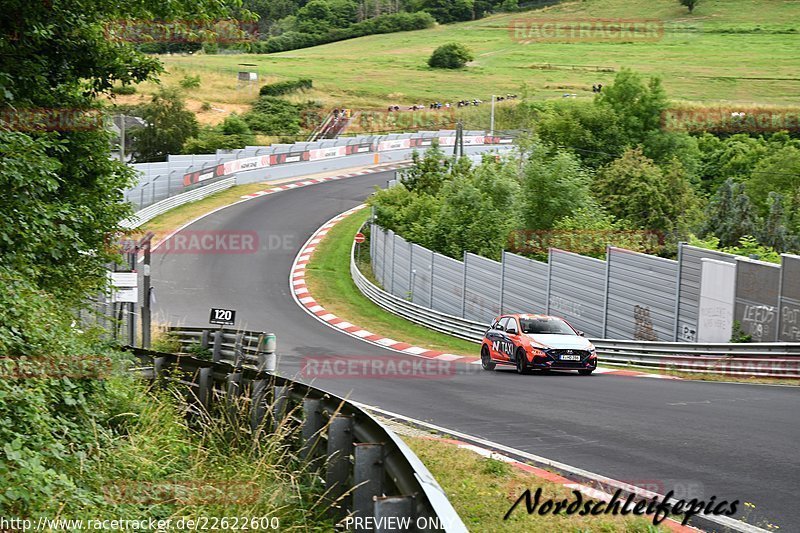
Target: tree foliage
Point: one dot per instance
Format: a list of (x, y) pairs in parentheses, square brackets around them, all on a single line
[(635, 189), (168, 126), (554, 186), (231, 134), (690, 4), (730, 214), (451, 55)]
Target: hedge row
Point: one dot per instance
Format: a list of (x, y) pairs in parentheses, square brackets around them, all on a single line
[(285, 87), (391, 23)]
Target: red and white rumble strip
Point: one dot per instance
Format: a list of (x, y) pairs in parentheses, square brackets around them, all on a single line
[(297, 283), (313, 181)]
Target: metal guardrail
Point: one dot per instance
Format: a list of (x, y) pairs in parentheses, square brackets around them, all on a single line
[(222, 345), (368, 470), (770, 359), (153, 210)]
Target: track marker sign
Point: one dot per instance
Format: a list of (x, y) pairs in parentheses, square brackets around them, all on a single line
[(222, 317), (360, 238)]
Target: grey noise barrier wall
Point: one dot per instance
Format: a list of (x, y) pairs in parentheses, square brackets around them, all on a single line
[(789, 318), (690, 259), (577, 290), (642, 287), (629, 295), (757, 295), (481, 288)]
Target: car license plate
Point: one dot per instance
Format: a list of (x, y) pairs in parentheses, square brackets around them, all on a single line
[(570, 357)]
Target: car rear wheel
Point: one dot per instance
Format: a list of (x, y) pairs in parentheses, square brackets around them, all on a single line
[(486, 359), (586, 371), (522, 362)]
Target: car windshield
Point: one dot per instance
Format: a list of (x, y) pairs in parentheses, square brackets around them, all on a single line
[(550, 326)]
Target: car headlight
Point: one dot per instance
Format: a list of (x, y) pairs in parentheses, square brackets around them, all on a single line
[(536, 352)]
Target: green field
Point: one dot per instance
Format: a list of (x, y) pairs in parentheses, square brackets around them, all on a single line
[(743, 51)]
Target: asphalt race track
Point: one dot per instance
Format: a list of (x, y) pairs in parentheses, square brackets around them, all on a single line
[(735, 442)]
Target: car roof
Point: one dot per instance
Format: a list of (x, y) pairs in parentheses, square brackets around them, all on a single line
[(529, 316)]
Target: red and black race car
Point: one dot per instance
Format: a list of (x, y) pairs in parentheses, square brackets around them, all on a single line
[(537, 342)]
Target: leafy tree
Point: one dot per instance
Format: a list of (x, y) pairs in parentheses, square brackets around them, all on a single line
[(446, 11), (640, 106), (665, 146), (554, 186), (315, 17), (451, 55), (774, 232), (730, 214), (61, 193), (169, 125), (691, 4), (684, 208), (635, 189), (233, 133), (478, 211), (593, 131), (777, 172), (273, 116), (427, 173), (733, 157)]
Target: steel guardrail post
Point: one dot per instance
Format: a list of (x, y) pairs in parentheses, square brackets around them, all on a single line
[(337, 468), (258, 393), (368, 477), (205, 387), (216, 353), (393, 510), (280, 402), (313, 424)]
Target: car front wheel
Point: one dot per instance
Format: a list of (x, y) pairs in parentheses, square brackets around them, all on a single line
[(486, 359), (522, 362)]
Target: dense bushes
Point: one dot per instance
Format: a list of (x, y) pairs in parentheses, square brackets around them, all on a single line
[(451, 55), (273, 116), (233, 133), (285, 87), (292, 40)]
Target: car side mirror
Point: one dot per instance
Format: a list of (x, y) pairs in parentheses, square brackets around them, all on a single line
[(500, 328), (582, 334)]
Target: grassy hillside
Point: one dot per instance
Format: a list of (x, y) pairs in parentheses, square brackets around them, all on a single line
[(729, 50)]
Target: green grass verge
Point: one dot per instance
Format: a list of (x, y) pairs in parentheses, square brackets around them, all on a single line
[(328, 279), (482, 489), (173, 219)]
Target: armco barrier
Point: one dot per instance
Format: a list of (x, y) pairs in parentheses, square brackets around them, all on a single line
[(368, 470), (150, 212), (772, 359), (161, 180)]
